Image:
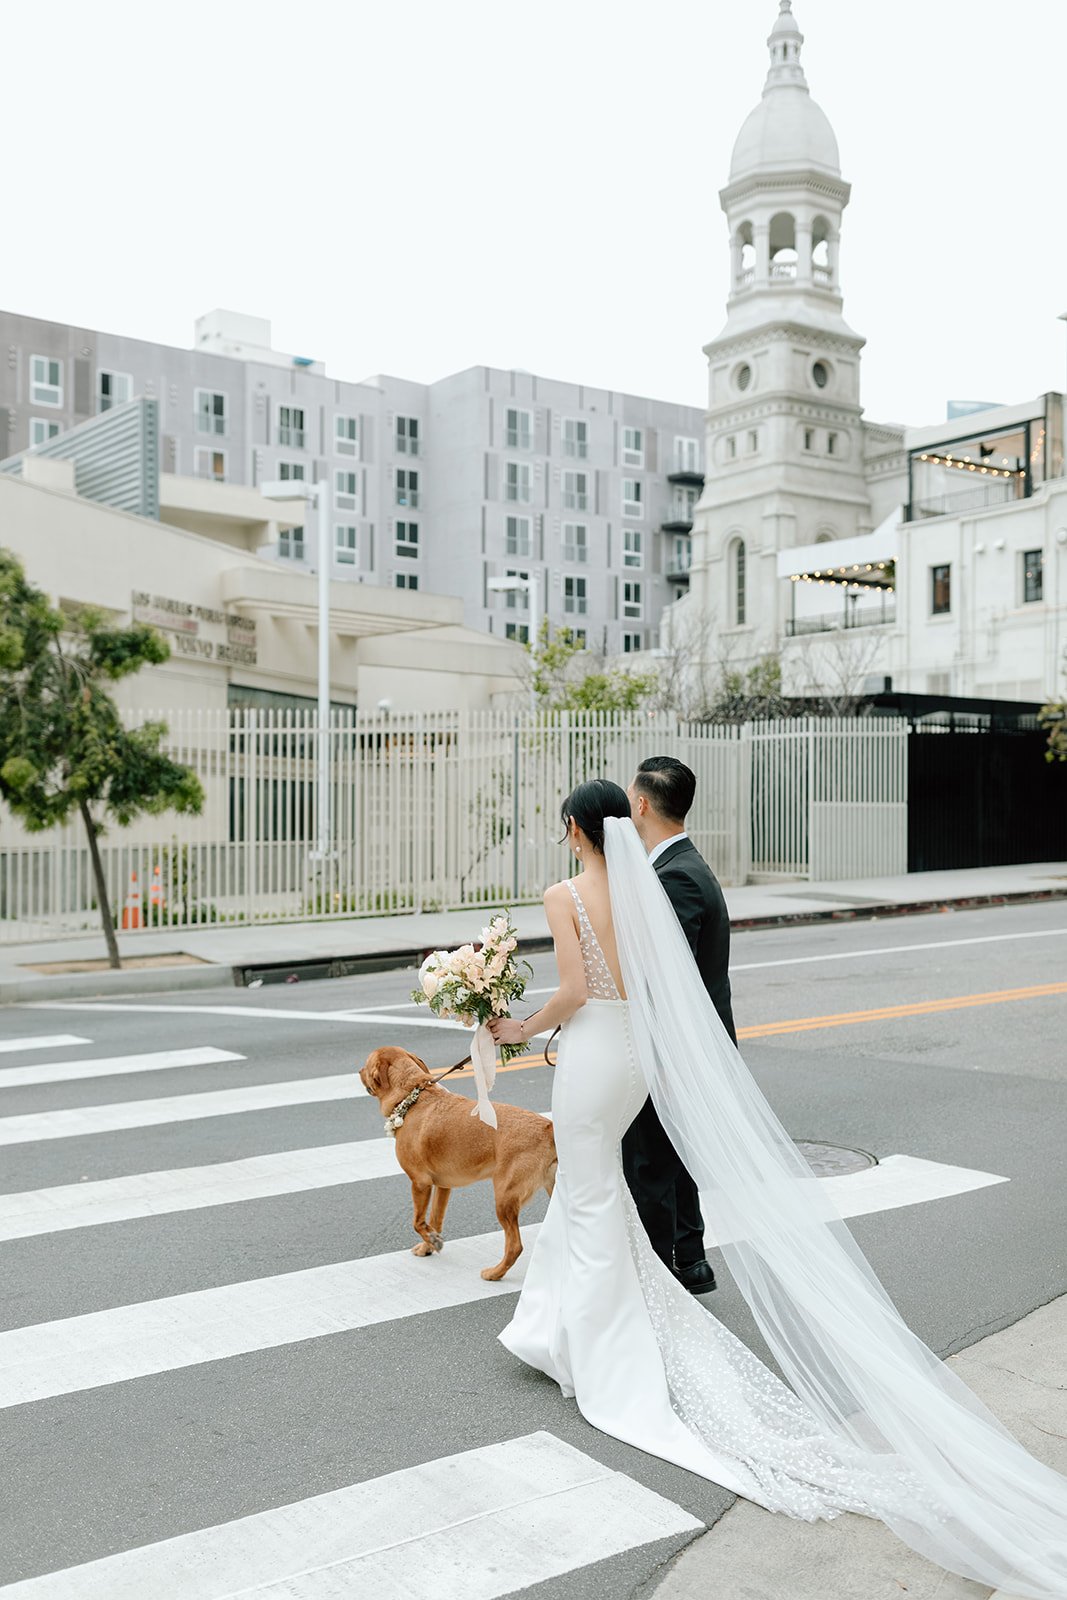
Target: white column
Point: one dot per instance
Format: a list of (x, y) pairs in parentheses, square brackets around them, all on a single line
[(803, 246)]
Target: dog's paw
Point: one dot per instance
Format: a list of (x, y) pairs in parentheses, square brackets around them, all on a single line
[(437, 1241), (493, 1274), (422, 1249)]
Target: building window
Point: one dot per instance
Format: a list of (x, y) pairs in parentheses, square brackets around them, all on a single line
[(46, 381), (740, 592), (407, 488), (113, 389), (632, 503), (831, 444), (406, 580), (407, 436), (291, 426), (517, 482), (940, 591), (345, 546), (575, 542), (211, 464), (291, 544), (574, 596), (753, 441), (683, 504), (346, 436), (345, 488), (517, 536), (578, 637), (809, 438), (687, 455), (632, 551), (631, 599), (407, 539), (631, 642), (820, 374), (681, 553), (518, 429), (575, 491), (291, 471), (210, 411), (519, 631), (633, 447), (1033, 575), (516, 599), (42, 429), (575, 437), (731, 448)]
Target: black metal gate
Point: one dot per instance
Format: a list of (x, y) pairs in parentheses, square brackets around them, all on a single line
[(983, 799)]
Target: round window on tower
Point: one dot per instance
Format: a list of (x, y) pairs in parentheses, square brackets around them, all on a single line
[(743, 375), (820, 374)]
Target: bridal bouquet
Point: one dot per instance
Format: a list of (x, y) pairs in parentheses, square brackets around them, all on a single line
[(477, 981), (472, 984)]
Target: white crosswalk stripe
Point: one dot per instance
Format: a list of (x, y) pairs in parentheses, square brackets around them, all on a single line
[(484, 1522), (112, 1066), (40, 1041), (77, 1121)]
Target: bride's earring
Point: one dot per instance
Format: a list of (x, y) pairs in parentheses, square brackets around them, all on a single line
[(577, 849)]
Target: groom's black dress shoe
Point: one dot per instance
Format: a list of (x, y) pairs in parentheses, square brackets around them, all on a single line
[(696, 1276)]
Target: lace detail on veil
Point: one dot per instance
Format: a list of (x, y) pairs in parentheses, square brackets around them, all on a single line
[(736, 1405)]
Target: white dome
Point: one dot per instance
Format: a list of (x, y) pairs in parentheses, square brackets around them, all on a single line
[(786, 131)]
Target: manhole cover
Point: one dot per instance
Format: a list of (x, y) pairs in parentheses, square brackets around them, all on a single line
[(832, 1160)]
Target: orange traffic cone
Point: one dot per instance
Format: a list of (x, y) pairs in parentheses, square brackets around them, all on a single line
[(131, 911), (155, 893)]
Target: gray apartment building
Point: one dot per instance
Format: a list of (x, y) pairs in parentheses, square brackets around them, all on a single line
[(525, 496)]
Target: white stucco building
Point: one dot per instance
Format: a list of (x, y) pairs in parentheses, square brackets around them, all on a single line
[(860, 552)]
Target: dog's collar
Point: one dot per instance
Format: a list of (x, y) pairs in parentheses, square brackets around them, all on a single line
[(395, 1120)]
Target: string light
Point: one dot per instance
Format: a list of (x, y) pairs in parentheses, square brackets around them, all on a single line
[(967, 465)]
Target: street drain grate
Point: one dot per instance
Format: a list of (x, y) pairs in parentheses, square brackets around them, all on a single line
[(833, 1160)]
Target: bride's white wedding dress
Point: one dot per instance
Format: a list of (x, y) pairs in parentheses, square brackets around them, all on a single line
[(870, 1421)]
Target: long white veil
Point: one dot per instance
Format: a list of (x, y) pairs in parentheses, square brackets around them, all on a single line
[(985, 1508)]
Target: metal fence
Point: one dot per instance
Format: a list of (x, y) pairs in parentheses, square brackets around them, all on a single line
[(437, 810)]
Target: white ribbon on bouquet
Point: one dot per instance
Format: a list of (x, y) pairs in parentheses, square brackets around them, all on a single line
[(483, 1060)]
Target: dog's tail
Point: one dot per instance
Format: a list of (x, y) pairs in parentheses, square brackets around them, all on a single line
[(550, 1176)]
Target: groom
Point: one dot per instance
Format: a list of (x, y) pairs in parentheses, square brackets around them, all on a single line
[(664, 1193)]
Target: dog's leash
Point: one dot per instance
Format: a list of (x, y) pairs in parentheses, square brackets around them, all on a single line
[(466, 1060)]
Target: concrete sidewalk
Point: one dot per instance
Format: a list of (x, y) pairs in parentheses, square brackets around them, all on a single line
[(223, 953), (1021, 1374)]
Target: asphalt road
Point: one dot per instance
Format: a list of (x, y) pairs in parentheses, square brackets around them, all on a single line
[(894, 1038)]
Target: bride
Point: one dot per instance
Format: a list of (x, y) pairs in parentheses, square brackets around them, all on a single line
[(868, 1420)]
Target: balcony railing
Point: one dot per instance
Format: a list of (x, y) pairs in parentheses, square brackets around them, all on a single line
[(746, 276), (835, 622), (946, 505), (822, 275)]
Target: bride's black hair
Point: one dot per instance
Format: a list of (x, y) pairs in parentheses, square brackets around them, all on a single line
[(590, 803)]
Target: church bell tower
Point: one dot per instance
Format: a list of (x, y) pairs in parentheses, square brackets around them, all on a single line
[(784, 448)]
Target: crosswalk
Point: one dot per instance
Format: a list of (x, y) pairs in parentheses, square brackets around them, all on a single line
[(502, 1515)]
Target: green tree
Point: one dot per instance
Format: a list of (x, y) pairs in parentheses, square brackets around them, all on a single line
[(63, 746), (1053, 718), (566, 676)]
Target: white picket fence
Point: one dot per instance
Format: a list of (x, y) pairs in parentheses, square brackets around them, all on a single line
[(440, 809)]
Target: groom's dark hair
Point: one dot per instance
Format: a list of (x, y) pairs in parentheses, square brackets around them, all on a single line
[(668, 785)]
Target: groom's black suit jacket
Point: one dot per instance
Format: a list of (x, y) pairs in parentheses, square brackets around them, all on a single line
[(693, 890)]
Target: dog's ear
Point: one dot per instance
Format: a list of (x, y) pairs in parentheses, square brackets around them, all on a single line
[(372, 1074), (419, 1062)]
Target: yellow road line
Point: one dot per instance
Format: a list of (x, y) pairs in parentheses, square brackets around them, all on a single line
[(918, 1008), (842, 1019)]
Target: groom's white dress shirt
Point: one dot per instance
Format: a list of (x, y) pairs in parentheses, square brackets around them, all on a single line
[(665, 844)]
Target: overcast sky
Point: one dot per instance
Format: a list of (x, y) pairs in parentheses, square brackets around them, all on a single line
[(414, 187)]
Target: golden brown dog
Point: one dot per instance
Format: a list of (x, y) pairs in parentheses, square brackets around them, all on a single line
[(442, 1147)]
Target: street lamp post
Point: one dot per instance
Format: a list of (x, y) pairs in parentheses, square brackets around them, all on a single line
[(530, 586), (317, 494)]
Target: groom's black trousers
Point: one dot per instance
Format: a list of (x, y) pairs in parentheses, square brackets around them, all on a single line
[(664, 1193)]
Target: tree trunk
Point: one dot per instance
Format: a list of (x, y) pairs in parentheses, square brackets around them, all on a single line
[(101, 887)]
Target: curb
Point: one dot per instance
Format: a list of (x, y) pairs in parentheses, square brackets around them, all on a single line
[(895, 908), (102, 985), (215, 975)]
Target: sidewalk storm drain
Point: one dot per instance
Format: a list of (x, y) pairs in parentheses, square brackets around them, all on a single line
[(833, 1160)]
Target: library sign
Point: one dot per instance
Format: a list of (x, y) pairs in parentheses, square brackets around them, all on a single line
[(199, 631)]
